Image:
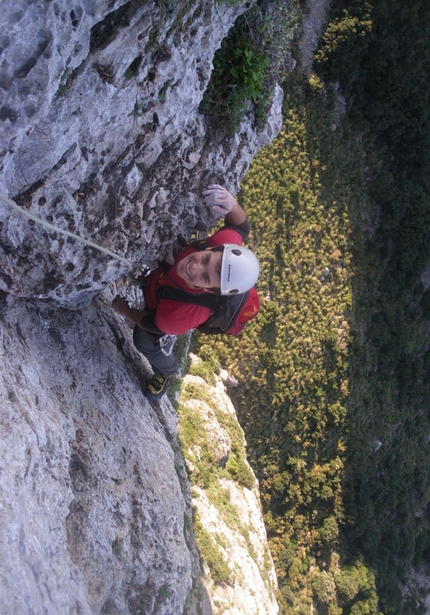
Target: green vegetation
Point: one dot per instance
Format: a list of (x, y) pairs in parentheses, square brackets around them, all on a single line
[(292, 361), (212, 555), (138, 110), (207, 366), (238, 78), (66, 80), (162, 92), (204, 428), (197, 411), (238, 469), (180, 350), (133, 68), (344, 32), (387, 492), (246, 66), (334, 393)]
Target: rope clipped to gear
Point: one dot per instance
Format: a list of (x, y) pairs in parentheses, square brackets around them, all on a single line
[(52, 227)]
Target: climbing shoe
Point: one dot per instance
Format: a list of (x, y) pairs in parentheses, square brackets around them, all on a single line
[(157, 386)]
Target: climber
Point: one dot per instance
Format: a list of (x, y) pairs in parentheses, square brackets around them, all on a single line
[(219, 267)]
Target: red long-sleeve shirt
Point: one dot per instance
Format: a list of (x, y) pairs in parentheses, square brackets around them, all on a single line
[(176, 317)]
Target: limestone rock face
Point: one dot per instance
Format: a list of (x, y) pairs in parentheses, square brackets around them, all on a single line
[(93, 488), (229, 506), (101, 136)]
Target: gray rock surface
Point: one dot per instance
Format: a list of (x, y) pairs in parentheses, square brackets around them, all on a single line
[(236, 527), (101, 135), (95, 514)]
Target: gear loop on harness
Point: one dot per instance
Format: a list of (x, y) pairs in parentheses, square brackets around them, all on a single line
[(167, 343)]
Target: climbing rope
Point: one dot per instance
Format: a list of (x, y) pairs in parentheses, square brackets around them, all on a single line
[(52, 227)]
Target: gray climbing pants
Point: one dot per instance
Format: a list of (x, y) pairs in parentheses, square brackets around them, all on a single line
[(149, 345)]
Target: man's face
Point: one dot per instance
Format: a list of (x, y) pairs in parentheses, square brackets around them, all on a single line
[(201, 269)]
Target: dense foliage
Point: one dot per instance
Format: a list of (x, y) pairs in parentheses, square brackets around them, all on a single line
[(292, 362), (388, 495), (333, 390), (250, 61)]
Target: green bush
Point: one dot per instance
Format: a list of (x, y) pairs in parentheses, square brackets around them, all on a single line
[(239, 470), (207, 354), (237, 79), (343, 33), (347, 585), (212, 556), (324, 588), (203, 370), (192, 428), (329, 531), (315, 84)]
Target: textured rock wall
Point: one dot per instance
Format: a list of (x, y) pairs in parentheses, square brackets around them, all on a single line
[(95, 514), (101, 135), (236, 527)]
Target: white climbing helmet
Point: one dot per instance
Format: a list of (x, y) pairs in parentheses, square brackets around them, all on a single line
[(239, 269)]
